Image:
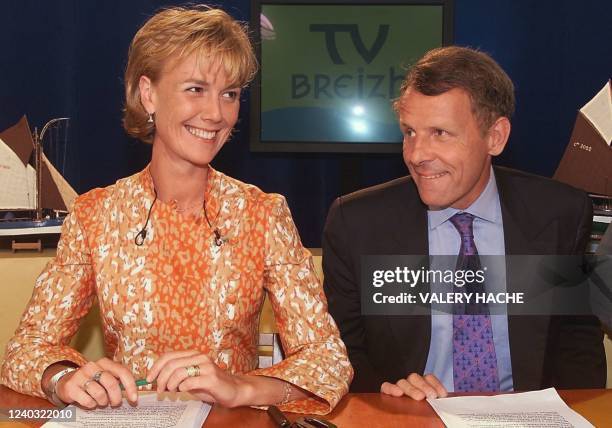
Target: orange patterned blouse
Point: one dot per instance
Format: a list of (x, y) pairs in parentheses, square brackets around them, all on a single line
[(180, 290)]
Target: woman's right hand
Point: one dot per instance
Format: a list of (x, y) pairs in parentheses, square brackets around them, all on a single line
[(80, 387)]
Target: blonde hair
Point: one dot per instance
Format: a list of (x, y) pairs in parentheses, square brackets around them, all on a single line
[(177, 33)]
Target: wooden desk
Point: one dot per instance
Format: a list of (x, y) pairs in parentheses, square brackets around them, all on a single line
[(358, 410)]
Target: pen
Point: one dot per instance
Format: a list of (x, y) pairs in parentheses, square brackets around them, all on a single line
[(278, 417), (139, 382), (319, 423), (142, 382)]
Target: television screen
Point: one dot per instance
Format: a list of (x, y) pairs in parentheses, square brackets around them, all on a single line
[(330, 70)]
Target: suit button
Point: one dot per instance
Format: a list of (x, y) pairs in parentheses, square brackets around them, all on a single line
[(231, 299)]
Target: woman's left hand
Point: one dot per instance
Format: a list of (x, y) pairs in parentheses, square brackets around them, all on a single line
[(196, 373)]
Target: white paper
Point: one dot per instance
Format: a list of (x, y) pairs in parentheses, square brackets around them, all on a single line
[(526, 409), (170, 410)]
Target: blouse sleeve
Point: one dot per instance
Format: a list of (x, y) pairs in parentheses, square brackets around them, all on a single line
[(62, 296), (315, 356)]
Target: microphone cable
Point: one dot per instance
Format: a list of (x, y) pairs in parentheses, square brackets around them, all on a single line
[(218, 238), (142, 235)]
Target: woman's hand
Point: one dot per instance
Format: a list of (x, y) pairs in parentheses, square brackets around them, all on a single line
[(207, 381), (97, 384)]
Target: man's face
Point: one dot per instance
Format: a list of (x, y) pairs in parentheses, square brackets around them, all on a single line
[(448, 157)]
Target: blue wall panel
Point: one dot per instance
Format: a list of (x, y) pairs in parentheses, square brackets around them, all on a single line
[(66, 57)]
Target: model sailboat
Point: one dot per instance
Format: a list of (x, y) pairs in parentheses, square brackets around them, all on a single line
[(587, 161), (34, 196)]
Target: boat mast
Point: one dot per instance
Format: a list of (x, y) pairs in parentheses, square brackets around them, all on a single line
[(38, 152), (38, 168)]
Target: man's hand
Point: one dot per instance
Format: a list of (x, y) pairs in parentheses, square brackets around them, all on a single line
[(416, 387)]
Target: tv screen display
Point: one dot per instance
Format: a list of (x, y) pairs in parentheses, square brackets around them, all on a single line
[(330, 70)]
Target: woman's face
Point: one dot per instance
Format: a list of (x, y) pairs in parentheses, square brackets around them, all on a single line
[(194, 108)]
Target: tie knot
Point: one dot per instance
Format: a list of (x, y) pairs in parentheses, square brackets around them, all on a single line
[(463, 222)]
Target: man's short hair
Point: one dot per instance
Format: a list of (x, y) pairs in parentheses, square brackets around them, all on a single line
[(490, 89)]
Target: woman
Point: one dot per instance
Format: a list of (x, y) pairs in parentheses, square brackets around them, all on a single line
[(180, 255)]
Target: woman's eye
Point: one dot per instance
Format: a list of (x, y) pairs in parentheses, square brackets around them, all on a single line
[(195, 89), (232, 95)]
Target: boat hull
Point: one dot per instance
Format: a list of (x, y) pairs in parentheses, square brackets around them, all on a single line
[(31, 227)]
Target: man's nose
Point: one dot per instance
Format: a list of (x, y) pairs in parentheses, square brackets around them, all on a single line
[(417, 150)]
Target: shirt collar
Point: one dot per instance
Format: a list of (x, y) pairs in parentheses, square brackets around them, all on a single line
[(485, 207)]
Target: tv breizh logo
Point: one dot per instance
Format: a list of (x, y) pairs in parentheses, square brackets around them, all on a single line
[(369, 79), (330, 31)]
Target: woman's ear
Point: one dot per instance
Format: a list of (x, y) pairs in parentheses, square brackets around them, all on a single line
[(147, 95), (498, 135)]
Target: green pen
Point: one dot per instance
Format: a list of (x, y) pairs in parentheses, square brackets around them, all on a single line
[(139, 382), (142, 382)]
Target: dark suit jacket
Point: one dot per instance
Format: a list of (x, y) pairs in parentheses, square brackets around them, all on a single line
[(540, 216)]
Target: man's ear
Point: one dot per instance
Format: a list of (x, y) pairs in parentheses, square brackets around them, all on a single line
[(497, 136), (146, 94)]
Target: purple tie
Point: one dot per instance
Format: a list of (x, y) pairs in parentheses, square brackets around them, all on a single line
[(474, 360)]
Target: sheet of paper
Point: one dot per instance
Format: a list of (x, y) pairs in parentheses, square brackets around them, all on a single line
[(526, 409), (170, 410)]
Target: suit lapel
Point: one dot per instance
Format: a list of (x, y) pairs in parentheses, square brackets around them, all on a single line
[(524, 235), (410, 237)]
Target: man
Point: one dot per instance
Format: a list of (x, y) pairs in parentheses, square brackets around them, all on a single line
[(454, 111), (602, 282)]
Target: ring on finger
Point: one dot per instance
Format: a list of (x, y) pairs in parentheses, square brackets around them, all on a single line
[(97, 375), (87, 383), (193, 371)]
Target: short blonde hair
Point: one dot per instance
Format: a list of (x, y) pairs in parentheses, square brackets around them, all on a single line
[(177, 33)]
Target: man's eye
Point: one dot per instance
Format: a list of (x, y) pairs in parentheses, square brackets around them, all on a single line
[(195, 89), (440, 133), (409, 133)]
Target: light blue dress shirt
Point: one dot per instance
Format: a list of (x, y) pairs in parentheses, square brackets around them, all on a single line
[(489, 237)]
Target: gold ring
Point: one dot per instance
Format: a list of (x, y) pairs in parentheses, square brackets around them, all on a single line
[(96, 377), (193, 371)]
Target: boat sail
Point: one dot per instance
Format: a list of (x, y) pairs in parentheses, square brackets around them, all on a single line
[(34, 199)]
